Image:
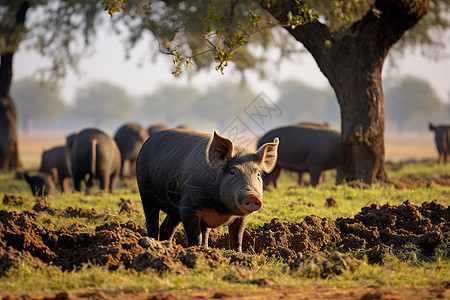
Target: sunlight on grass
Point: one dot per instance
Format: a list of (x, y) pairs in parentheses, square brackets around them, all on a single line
[(290, 202)]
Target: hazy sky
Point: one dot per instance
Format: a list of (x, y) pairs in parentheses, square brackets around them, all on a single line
[(107, 63)]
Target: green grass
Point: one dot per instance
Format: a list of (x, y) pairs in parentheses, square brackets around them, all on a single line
[(393, 273), (289, 202)]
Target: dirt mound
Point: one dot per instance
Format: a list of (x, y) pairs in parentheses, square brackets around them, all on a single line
[(110, 245), (324, 265), (43, 206), (78, 212), (375, 231), (126, 206), (12, 200), (391, 228), (414, 182)]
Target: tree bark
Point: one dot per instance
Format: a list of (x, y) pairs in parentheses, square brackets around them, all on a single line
[(352, 61), (9, 154)]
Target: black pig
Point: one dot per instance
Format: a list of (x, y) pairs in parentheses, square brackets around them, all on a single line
[(202, 181)]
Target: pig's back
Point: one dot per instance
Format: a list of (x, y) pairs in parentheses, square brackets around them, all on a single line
[(299, 143), (168, 159)]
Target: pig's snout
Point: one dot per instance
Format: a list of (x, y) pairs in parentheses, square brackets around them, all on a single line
[(251, 203)]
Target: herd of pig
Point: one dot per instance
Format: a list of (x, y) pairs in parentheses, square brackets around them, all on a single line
[(202, 181)]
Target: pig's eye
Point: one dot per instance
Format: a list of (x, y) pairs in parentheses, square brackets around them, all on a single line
[(258, 174)]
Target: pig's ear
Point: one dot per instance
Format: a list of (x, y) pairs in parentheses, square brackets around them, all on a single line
[(220, 149), (268, 154)]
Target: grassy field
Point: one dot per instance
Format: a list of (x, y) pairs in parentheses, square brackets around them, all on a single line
[(269, 277)]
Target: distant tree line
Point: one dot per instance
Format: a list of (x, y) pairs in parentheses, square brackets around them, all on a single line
[(410, 103)]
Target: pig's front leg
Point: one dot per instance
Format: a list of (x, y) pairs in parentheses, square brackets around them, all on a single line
[(236, 232), (191, 224)]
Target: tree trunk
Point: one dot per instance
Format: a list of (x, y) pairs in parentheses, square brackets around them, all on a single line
[(352, 61), (360, 97), (9, 154)]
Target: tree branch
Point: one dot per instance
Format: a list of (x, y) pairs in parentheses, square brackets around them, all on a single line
[(313, 35)]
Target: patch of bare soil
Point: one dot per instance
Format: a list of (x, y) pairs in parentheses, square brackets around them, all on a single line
[(126, 206), (397, 229), (375, 231), (12, 200), (415, 183)]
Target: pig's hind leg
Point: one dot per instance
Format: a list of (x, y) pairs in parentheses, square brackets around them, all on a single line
[(168, 227), (151, 211)]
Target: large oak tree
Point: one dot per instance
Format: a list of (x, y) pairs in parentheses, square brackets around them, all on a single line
[(352, 62), (55, 32), (349, 40)]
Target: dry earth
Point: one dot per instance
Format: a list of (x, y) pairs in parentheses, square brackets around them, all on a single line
[(375, 231)]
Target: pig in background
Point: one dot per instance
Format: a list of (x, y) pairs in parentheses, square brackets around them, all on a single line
[(303, 148), (93, 155), (57, 158), (129, 138), (201, 180), (42, 184), (155, 128), (442, 139)]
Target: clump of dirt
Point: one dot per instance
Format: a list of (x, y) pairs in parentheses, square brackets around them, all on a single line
[(414, 182), (19, 232), (391, 227), (358, 184), (13, 258), (396, 165), (443, 180), (304, 202), (79, 212), (321, 264), (13, 200), (312, 235), (126, 207), (77, 226), (331, 202), (43, 206), (111, 245)]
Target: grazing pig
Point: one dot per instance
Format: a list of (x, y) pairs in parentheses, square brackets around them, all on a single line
[(155, 128), (42, 184), (442, 138), (56, 157), (93, 155), (129, 139), (202, 181), (304, 148)]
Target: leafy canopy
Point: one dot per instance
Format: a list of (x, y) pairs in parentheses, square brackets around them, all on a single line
[(59, 30), (198, 32)]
